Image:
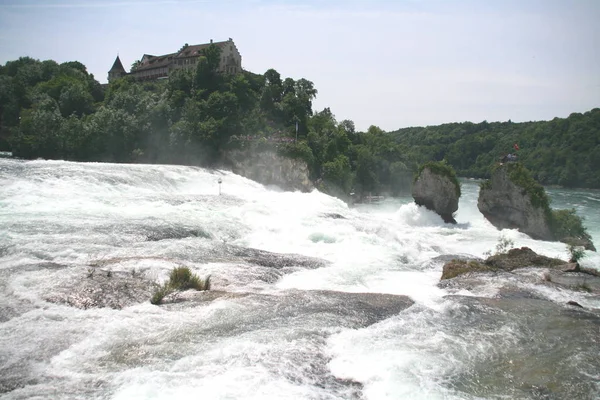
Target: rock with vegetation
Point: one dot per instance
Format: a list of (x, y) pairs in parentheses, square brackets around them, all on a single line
[(270, 168), (437, 188), (513, 259), (180, 279), (461, 273), (512, 199)]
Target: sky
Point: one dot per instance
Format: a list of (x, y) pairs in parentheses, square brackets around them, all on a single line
[(392, 64)]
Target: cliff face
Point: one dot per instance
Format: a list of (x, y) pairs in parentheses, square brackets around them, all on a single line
[(437, 193), (269, 168), (508, 206)]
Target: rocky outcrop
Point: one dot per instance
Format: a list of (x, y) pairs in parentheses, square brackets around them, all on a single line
[(270, 168), (512, 199), (509, 206), (438, 191), (513, 259), (559, 272), (103, 288)]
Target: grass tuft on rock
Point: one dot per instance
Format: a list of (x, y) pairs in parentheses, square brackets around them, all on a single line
[(180, 279), (160, 293)]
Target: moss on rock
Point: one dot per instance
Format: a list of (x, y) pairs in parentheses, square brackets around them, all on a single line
[(443, 169)]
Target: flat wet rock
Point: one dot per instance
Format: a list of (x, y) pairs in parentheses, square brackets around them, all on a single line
[(354, 310), (513, 259), (546, 356), (306, 317), (103, 289)]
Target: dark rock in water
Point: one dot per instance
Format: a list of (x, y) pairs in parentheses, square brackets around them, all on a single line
[(508, 206), (288, 312), (104, 289), (512, 199), (520, 258), (557, 272), (352, 310), (580, 280), (570, 267), (334, 216), (449, 257), (455, 268), (436, 192), (176, 232), (514, 258), (267, 258), (534, 349)]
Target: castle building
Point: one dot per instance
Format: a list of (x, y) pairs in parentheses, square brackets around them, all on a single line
[(158, 67)]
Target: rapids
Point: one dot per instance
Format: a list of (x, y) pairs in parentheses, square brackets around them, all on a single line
[(310, 299)]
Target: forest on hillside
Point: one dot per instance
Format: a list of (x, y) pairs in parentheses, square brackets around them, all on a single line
[(563, 151), (60, 111)]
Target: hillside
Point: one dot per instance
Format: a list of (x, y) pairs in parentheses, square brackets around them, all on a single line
[(563, 151)]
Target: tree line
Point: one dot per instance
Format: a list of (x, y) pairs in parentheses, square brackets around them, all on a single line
[(60, 111), (563, 151)]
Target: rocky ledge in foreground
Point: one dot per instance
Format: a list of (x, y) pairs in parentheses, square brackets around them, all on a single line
[(512, 199), (437, 188), (559, 272), (526, 348)]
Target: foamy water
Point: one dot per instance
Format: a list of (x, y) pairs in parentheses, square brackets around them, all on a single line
[(57, 218)]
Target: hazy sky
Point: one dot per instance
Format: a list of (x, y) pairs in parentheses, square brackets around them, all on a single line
[(387, 63)]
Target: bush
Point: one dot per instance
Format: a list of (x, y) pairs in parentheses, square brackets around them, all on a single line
[(180, 278), (503, 246), (566, 223), (297, 150), (520, 176), (160, 293), (577, 253)]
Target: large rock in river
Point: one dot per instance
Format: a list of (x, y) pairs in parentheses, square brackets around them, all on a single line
[(512, 199), (508, 205), (437, 188)]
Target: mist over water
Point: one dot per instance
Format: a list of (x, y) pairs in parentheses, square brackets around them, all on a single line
[(275, 326)]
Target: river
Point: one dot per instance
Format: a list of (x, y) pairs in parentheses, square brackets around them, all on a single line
[(311, 299)]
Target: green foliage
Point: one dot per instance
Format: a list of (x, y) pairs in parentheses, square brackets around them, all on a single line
[(567, 224), (521, 177), (297, 150), (486, 184), (443, 169), (337, 176), (180, 278), (576, 252), (60, 111), (160, 293), (563, 151), (503, 246)]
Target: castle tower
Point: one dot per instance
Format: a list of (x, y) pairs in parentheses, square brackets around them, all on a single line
[(117, 71)]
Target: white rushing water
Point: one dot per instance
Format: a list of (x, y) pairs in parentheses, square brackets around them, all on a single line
[(269, 335)]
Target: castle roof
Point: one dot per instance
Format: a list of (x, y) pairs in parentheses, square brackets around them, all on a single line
[(117, 66), (150, 62), (196, 49)]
